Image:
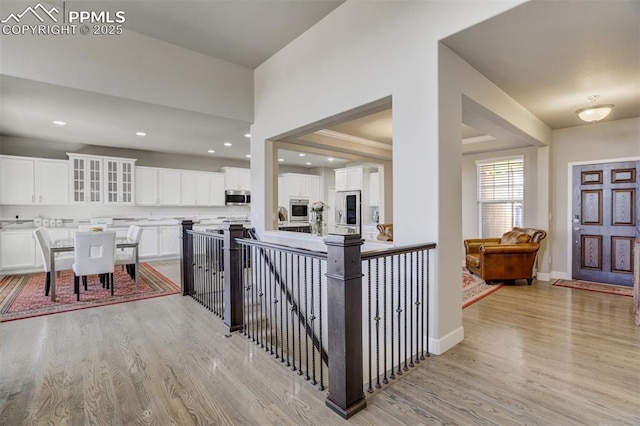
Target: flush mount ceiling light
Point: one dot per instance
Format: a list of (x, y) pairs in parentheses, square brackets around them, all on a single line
[(248, 155), (281, 159), (211, 151), (302, 154), (308, 163), (247, 135), (141, 134), (227, 144), (59, 123), (594, 113)]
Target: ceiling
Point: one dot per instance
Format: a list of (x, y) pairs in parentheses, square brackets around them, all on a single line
[(548, 55)]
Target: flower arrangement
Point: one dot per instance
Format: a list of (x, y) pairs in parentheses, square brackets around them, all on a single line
[(318, 208)]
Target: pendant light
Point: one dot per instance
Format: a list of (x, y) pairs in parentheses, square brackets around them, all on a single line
[(594, 113)]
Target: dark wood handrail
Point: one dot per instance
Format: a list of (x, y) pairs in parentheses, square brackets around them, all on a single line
[(374, 254), (282, 247)]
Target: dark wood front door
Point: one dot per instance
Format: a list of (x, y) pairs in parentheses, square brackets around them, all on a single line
[(605, 221)]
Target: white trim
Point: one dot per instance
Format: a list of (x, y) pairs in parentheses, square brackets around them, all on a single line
[(570, 166), (351, 138), (440, 346), (478, 139), (543, 276)]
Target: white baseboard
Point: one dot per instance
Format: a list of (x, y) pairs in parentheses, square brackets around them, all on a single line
[(558, 275), (543, 276), (440, 346)]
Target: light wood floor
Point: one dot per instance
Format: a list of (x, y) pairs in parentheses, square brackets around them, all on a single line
[(532, 355)]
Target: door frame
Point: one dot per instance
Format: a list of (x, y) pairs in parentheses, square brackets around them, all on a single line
[(569, 217)]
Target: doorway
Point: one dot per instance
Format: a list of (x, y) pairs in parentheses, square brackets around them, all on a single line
[(605, 221)]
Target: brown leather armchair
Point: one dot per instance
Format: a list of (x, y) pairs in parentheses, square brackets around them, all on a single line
[(511, 257)]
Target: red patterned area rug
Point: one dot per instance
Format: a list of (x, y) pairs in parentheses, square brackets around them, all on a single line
[(475, 288), (597, 287), (22, 296)]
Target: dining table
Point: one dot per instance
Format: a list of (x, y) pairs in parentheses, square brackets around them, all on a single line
[(67, 245)]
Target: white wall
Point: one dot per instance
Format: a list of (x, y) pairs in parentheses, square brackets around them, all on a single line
[(360, 53), (612, 140), (133, 66)]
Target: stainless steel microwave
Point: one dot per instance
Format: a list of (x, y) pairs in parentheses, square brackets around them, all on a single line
[(234, 197)]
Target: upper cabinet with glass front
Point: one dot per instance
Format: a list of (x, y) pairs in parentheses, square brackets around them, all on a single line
[(96, 179), (119, 181)]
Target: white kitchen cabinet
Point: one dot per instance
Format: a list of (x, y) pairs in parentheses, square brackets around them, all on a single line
[(156, 186), (17, 249), (149, 242), (374, 189), (170, 184), (349, 179), (216, 189), (86, 178), (195, 189), (119, 181), (25, 180), (297, 185), (236, 178), (314, 189), (52, 182), (147, 184), (169, 238)]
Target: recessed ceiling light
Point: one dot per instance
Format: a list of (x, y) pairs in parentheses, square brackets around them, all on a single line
[(308, 163), (302, 154), (330, 159), (248, 155), (59, 123), (281, 159), (141, 134), (247, 135), (211, 151), (227, 144)]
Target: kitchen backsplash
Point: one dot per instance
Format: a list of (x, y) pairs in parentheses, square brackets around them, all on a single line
[(76, 212)]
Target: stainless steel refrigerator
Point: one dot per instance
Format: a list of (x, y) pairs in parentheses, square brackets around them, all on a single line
[(348, 212)]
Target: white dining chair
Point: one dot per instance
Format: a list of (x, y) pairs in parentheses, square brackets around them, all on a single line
[(63, 261), (127, 256), (94, 254)]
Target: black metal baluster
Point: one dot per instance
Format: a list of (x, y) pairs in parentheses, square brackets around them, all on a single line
[(246, 297), (411, 364), (254, 279), (418, 305), (306, 320), (399, 311), (261, 296), (207, 269), (270, 299), (405, 368), (320, 321), (385, 380), (277, 294), (377, 318), (426, 304), (313, 328), (391, 305), (288, 300), (299, 322), (293, 309), (370, 389)]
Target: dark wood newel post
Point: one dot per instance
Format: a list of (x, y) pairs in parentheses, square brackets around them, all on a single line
[(233, 306), (186, 259), (344, 316)]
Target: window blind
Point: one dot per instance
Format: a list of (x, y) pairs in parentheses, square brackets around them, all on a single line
[(500, 195)]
